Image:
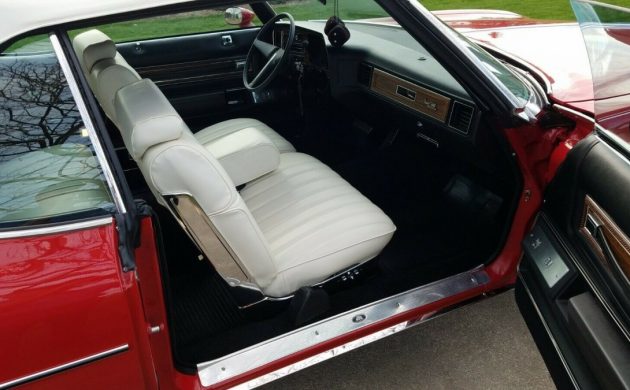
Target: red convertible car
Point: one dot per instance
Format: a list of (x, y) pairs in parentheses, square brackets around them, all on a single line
[(190, 204)]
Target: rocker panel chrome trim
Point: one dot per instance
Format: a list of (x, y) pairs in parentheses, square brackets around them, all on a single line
[(331, 353), (240, 362), (63, 367), (66, 227)]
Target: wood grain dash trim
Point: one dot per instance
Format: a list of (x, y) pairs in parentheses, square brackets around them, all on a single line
[(418, 99), (617, 240)]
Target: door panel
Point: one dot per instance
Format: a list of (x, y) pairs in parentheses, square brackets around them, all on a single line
[(578, 291), (201, 74), (64, 312)]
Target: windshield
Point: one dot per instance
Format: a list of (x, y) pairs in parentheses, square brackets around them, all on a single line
[(606, 31), (500, 71)]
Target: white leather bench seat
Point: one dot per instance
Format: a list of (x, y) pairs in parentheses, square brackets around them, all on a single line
[(292, 227), (314, 222), (222, 129), (295, 223)]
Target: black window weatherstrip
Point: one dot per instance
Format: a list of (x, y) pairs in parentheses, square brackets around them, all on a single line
[(126, 215)]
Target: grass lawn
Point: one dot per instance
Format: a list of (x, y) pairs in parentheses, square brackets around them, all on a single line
[(537, 9), (203, 21), (349, 9)]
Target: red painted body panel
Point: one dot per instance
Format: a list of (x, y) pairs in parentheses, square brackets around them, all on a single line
[(470, 19), (152, 293), (64, 297)]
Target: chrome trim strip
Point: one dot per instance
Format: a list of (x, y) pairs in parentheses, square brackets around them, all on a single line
[(548, 331), (574, 112), (63, 367), (87, 121), (240, 362), (331, 353), (66, 227)]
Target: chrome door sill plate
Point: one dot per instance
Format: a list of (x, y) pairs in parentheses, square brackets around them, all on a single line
[(248, 359)]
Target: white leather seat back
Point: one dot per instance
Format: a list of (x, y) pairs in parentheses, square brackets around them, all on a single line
[(174, 163), (105, 69), (107, 81)]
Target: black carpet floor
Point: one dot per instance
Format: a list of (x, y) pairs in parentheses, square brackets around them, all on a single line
[(437, 235)]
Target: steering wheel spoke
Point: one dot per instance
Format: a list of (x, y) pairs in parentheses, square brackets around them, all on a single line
[(273, 57), (266, 49)]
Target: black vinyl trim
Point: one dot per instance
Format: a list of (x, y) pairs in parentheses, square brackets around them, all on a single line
[(543, 336), (605, 136)]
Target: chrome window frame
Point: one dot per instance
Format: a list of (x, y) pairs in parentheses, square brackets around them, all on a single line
[(89, 125)]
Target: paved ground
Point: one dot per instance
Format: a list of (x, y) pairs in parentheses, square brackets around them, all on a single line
[(485, 345)]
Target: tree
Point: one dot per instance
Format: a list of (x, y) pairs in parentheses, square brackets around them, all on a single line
[(37, 109)]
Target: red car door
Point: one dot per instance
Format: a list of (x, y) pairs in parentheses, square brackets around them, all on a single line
[(574, 280), (70, 314)]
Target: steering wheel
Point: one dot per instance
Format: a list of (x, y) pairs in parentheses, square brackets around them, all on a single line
[(264, 58)]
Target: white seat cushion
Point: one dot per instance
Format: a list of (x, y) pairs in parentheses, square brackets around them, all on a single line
[(221, 129), (315, 223), (245, 155)]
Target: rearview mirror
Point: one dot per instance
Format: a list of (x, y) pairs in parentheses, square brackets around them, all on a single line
[(237, 16)]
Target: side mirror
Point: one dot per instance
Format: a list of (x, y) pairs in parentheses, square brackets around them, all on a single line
[(237, 16)]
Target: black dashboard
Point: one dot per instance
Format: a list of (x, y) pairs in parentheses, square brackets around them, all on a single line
[(383, 64)]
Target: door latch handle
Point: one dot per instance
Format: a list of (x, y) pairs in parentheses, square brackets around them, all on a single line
[(226, 40), (596, 230)]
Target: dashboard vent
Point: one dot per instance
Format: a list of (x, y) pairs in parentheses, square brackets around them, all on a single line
[(461, 117), (364, 75)]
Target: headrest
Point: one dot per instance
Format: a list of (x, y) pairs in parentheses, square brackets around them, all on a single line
[(108, 81), (93, 46), (145, 117)]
